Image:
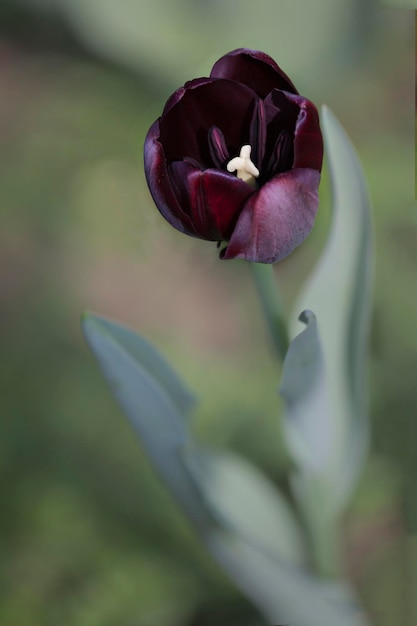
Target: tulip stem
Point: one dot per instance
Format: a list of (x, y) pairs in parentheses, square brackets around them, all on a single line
[(271, 304)]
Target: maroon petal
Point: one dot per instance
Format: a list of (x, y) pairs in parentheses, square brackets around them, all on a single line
[(218, 147), (160, 186), (308, 140), (276, 219), (257, 133), (213, 199), (178, 94), (281, 115), (282, 155), (253, 68), (190, 115)]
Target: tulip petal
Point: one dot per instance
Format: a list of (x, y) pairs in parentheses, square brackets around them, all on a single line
[(298, 115), (178, 94), (185, 127), (253, 68), (257, 132), (217, 146), (308, 140), (160, 185), (281, 115), (212, 198), (276, 219), (225, 196), (282, 155)]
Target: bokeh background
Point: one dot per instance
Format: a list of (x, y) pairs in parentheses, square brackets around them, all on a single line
[(88, 536)]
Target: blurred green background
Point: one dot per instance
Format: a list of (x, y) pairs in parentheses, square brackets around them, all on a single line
[(88, 535)]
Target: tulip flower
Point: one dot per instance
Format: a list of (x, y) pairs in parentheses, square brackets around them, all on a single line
[(236, 158)]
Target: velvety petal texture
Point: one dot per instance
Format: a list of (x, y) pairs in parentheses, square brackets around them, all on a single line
[(277, 219), (248, 114)]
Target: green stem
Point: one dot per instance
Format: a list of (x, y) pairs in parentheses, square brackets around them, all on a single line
[(322, 528), (325, 550), (268, 294)]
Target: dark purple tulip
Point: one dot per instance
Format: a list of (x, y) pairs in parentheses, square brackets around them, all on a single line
[(236, 157)]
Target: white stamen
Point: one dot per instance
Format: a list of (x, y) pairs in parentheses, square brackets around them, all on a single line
[(244, 167)]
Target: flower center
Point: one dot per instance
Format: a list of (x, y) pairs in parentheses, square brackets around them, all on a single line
[(244, 167)]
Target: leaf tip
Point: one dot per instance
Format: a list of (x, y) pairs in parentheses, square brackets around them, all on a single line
[(306, 317)]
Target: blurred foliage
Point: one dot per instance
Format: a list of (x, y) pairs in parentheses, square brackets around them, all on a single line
[(89, 536)]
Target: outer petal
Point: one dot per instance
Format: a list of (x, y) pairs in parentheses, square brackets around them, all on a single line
[(308, 140), (160, 186), (276, 219), (212, 198), (253, 68), (178, 94)]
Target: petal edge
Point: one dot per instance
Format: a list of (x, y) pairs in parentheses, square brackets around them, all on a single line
[(253, 68)]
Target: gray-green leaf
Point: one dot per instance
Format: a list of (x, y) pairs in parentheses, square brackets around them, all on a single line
[(339, 292), (285, 595), (153, 408), (244, 501), (144, 353)]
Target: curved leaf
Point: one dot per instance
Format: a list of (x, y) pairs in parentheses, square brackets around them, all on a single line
[(144, 352), (308, 423), (243, 501), (339, 293), (285, 595), (150, 407), (239, 515)]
